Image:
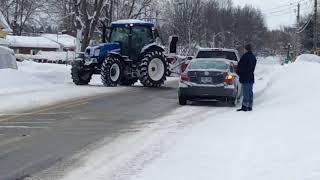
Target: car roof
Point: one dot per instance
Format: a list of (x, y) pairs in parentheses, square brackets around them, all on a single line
[(135, 22), (217, 49)]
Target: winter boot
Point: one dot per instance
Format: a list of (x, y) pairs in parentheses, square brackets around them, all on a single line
[(249, 108), (243, 108)]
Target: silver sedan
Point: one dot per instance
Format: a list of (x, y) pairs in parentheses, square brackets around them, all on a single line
[(209, 79)]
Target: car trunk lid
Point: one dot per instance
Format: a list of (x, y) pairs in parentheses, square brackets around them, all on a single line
[(212, 77)]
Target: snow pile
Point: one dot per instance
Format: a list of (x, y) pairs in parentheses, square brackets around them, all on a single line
[(31, 42), (54, 55), (308, 58)]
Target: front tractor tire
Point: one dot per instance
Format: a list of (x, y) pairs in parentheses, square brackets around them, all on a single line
[(153, 69), (111, 72), (79, 75)]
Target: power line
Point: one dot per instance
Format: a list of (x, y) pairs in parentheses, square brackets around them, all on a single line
[(291, 4), (283, 9)]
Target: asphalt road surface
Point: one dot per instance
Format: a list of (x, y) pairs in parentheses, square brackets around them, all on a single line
[(33, 141)]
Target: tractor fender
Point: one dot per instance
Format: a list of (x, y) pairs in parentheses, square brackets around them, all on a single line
[(152, 46), (115, 54)]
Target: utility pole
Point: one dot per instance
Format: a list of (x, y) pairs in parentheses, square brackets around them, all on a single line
[(315, 34)]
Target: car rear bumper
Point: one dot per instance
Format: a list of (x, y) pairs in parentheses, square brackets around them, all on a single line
[(203, 92)]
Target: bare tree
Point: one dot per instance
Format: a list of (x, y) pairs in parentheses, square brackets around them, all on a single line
[(21, 12)]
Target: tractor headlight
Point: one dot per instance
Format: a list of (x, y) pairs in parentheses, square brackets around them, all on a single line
[(96, 52)]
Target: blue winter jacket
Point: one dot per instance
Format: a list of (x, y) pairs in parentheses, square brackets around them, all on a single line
[(246, 67)]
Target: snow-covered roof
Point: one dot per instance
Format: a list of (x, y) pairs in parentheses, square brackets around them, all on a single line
[(125, 22), (31, 42), (4, 24), (66, 41)]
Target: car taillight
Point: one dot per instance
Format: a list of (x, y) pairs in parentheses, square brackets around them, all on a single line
[(184, 77), (229, 79)]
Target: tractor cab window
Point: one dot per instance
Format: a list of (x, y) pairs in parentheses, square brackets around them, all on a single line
[(121, 35), (141, 36)]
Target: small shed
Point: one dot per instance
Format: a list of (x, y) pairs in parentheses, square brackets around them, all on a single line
[(7, 58)]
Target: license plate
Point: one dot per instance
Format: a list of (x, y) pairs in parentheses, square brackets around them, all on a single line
[(206, 79)]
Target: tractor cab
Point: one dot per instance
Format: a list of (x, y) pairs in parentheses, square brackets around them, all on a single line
[(132, 36)]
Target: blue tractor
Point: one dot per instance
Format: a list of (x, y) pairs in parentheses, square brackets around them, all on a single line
[(131, 54)]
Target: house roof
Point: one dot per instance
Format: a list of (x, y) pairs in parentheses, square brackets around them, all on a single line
[(66, 41), (4, 24), (31, 42)]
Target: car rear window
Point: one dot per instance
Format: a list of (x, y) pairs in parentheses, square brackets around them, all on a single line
[(208, 64), (217, 54)]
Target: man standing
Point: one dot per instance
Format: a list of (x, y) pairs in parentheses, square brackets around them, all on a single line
[(246, 67)]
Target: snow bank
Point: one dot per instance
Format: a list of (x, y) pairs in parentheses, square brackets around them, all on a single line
[(54, 55), (308, 58)]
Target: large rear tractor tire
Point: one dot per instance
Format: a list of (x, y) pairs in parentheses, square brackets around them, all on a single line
[(111, 71), (79, 75), (153, 69)]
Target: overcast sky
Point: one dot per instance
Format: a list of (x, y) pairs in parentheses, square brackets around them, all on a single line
[(279, 12)]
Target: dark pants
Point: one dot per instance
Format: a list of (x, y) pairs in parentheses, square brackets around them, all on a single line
[(247, 92)]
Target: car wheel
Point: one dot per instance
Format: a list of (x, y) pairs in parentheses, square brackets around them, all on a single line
[(182, 101)]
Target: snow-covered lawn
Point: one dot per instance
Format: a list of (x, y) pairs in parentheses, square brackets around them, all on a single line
[(34, 85)]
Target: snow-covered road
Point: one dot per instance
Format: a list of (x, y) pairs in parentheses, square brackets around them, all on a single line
[(278, 140)]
